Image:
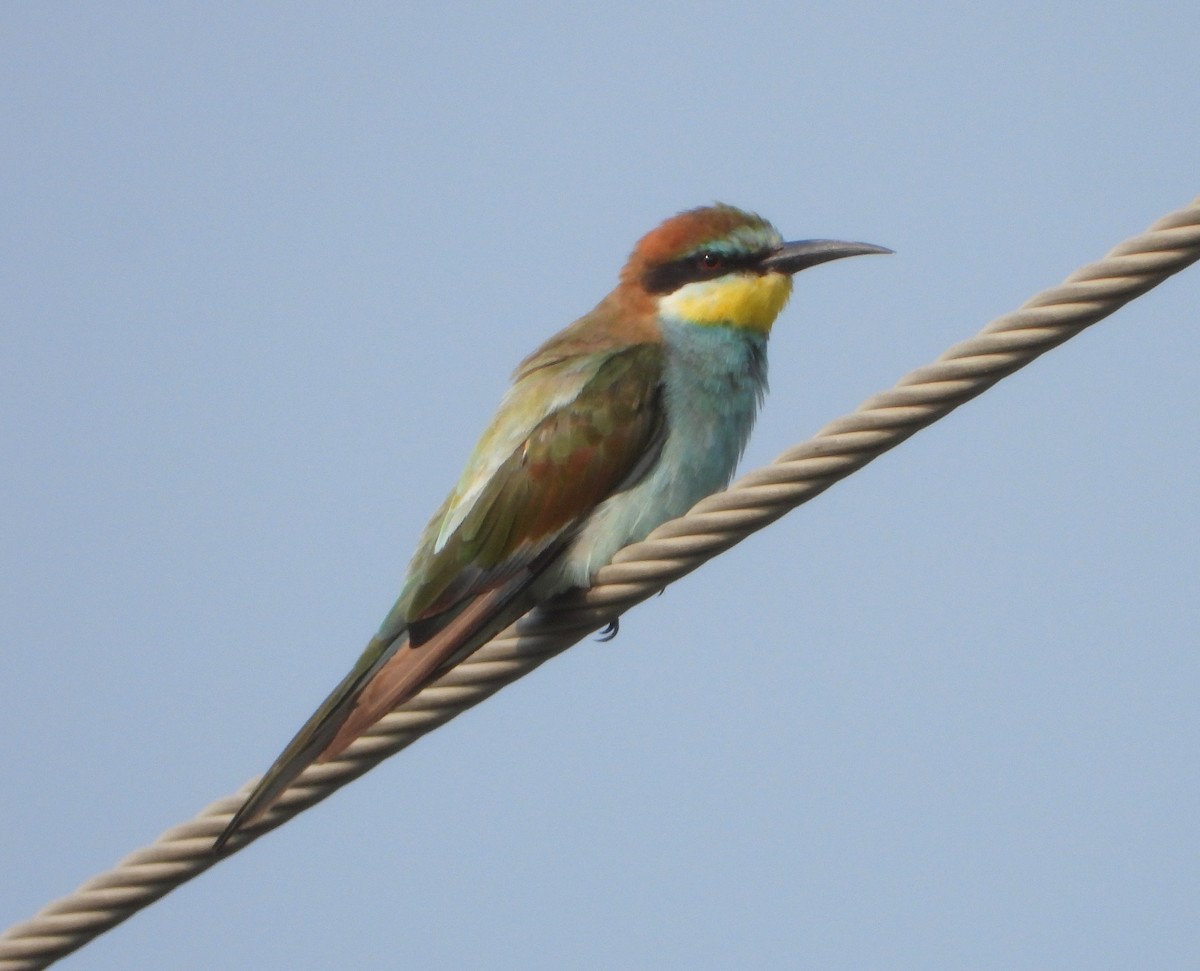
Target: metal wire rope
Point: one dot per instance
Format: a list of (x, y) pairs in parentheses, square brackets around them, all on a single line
[(639, 571)]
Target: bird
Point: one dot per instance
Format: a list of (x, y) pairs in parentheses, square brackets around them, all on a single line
[(623, 420)]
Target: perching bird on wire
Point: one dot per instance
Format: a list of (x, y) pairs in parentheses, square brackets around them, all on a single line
[(620, 422)]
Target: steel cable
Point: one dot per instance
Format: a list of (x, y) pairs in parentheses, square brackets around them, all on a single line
[(674, 549)]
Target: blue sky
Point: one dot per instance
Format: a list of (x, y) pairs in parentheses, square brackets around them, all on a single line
[(265, 272)]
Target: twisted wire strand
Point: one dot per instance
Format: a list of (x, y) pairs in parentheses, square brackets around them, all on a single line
[(637, 572)]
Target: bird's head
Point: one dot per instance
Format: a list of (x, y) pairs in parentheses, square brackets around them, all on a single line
[(718, 265)]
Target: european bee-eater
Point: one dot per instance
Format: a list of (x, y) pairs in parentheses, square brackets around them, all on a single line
[(624, 420)]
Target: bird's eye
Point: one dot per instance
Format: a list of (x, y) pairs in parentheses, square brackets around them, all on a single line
[(711, 261)]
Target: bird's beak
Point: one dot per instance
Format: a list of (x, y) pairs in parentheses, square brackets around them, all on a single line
[(794, 257)]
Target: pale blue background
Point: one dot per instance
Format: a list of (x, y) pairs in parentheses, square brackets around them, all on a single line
[(265, 271)]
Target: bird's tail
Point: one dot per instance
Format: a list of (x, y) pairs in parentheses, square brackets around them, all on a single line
[(388, 673), (311, 741)]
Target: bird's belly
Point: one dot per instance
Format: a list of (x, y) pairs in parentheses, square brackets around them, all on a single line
[(712, 396)]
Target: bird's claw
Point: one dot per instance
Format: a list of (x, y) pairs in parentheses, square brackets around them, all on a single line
[(609, 630)]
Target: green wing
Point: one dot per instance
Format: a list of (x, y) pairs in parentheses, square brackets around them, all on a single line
[(569, 461)]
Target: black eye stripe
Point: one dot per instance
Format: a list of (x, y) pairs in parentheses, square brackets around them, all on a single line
[(702, 265)]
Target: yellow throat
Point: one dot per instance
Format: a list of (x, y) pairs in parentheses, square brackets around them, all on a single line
[(748, 300)]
